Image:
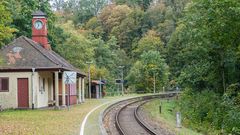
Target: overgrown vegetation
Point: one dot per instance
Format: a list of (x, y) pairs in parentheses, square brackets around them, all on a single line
[(216, 114), (203, 58), (192, 44), (167, 117)]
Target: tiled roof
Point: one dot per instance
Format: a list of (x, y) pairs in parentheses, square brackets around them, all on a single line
[(24, 53), (97, 82)]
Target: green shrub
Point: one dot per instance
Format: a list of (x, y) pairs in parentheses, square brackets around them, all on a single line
[(231, 109), (211, 113), (199, 108)]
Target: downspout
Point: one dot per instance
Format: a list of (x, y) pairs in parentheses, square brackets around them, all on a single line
[(33, 70)]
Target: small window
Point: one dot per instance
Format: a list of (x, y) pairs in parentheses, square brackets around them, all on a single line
[(4, 84), (41, 85)]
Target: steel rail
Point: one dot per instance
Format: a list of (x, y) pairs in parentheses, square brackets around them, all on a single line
[(146, 128), (117, 123), (132, 101), (140, 122)]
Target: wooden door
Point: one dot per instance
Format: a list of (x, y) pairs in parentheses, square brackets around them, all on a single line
[(23, 93)]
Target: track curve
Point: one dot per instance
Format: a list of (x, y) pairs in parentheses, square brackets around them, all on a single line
[(122, 118), (128, 122)]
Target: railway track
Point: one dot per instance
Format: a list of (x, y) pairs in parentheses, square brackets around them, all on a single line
[(122, 118), (128, 122)]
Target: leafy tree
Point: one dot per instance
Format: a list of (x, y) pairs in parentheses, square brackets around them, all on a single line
[(150, 41), (98, 73), (103, 54), (129, 31), (94, 27), (22, 14), (71, 48), (22, 10), (86, 9), (112, 16), (143, 71), (144, 4), (124, 23), (6, 31), (74, 44), (58, 5), (210, 44), (155, 15), (203, 55), (163, 15)]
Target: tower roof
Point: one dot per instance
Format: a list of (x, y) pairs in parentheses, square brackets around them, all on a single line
[(38, 13)]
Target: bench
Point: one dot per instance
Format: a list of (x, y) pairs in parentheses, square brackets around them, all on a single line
[(51, 102)]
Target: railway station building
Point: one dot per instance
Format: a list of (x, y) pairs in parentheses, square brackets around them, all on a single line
[(31, 75)]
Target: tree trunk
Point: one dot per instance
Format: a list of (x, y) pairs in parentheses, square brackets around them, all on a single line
[(223, 80), (223, 72)]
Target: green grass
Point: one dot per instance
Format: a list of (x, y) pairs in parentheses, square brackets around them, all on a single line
[(93, 119), (168, 115), (47, 122), (54, 122)]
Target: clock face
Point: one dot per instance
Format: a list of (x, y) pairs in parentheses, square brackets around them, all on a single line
[(38, 24)]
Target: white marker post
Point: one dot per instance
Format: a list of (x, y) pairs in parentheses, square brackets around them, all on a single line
[(69, 78), (178, 120)]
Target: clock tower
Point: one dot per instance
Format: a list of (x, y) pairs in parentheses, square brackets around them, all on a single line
[(39, 29)]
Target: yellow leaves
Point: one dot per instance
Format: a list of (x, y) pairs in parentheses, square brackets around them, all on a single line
[(151, 66), (112, 16), (97, 73), (150, 41), (151, 33)]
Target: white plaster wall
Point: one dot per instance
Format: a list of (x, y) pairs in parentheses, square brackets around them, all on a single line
[(9, 99), (35, 89), (42, 96)]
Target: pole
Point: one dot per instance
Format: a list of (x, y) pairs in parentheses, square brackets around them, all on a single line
[(118, 92), (68, 96), (122, 82), (154, 83), (100, 88), (89, 81), (89, 78)]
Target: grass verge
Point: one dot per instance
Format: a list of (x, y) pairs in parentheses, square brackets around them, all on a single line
[(167, 116), (53, 122), (45, 122)]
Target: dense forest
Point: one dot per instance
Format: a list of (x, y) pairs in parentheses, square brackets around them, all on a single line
[(190, 44)]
